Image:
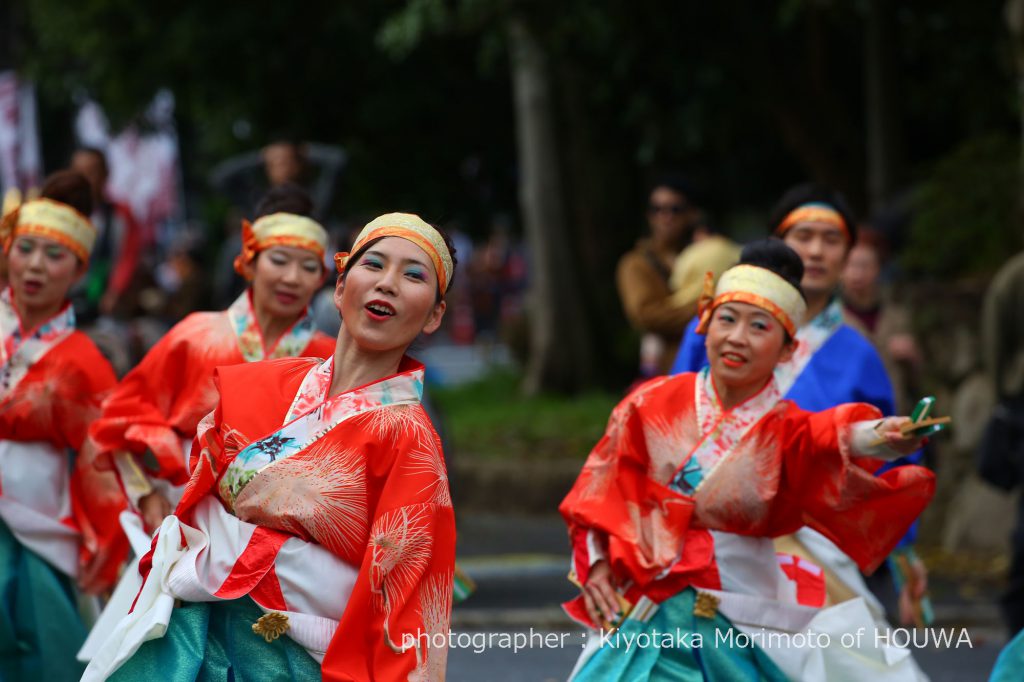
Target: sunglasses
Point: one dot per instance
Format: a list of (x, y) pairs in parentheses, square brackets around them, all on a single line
[(674, 209)]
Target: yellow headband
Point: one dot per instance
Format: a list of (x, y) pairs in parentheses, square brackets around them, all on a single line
[(411, 227), (280, 229), (815, 212), (51, 220), (757, 286)]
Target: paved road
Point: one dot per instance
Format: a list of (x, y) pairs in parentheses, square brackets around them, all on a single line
[(520, 566), (550, 664)]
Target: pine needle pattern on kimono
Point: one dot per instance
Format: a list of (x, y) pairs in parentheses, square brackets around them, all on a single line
[(318, 493), (666, 437), (435, 610), (401, 545), (426, 460)]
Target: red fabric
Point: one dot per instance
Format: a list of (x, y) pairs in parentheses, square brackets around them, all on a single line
[(809, 579), (161, 401), (404, 499), (127, 259), (790, 470), (268, 591), (256, 560), (54, 402)]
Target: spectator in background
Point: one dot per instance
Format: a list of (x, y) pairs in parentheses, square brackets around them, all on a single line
[(109, 286), (284, 163), (884, 322), (643, 273), (1002, 449)]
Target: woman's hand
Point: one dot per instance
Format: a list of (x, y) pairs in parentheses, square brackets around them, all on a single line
[(154, 508), (889, 429), (913, 591), (600, 597), (89, 572)]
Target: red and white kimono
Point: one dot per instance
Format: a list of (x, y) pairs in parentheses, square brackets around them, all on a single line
[(334, 512), (158, 405), (681, 493), (52, 380)]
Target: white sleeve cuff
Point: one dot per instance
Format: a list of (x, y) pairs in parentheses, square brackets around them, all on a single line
[(865, 439), (595, 550), (136, 484)]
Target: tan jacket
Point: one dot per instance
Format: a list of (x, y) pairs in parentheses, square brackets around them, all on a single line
[(647, 300)]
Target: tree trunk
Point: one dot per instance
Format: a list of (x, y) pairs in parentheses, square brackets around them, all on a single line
[(560, 354), (880, 101), (1014, 14)]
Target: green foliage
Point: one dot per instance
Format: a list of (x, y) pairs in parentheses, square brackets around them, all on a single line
[(489, 418), (965, 211)]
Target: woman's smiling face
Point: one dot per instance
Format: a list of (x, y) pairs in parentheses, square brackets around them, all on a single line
[(284, 280), (744, 344), (388, 295)]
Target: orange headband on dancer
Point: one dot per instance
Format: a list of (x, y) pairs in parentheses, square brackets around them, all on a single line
[(757, 286), (415, 229), (52, 220), (815, 212), (280, 229)]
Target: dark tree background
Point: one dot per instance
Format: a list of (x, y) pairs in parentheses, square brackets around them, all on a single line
[(560, 113)]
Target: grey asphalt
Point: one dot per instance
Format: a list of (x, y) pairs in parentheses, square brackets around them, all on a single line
[(520, 564)]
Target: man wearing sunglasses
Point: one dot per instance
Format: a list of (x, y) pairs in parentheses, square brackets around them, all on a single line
[(643, 273)]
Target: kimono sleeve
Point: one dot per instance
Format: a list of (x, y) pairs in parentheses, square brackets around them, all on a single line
[(644, 525), (96, 497), (205, 461), (874, 387), (396, 623), (137, 415), (863, 513)]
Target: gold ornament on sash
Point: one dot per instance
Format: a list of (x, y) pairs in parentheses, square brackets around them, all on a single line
[(271, 625), (705, 605)]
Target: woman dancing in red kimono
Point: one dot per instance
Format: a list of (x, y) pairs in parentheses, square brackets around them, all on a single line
[(673, 515), (316, 535), (57, 524), (149, 421)]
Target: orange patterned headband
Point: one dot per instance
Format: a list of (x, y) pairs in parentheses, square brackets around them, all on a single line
[(757, 286), (815, 212), (52, 220), (415, 229), (280, 229)]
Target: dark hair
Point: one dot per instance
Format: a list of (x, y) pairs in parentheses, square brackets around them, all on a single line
[(447, 240), (71, 188), (773, 254), (675, 182), (808, 193), (286, 198), (98, 153)]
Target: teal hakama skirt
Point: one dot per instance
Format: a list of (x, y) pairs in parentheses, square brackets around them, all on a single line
[(1010, 664), (666, 649), (214, 641), (41, 630)]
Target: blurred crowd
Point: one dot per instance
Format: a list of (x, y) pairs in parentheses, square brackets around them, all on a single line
[(138, 286)]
